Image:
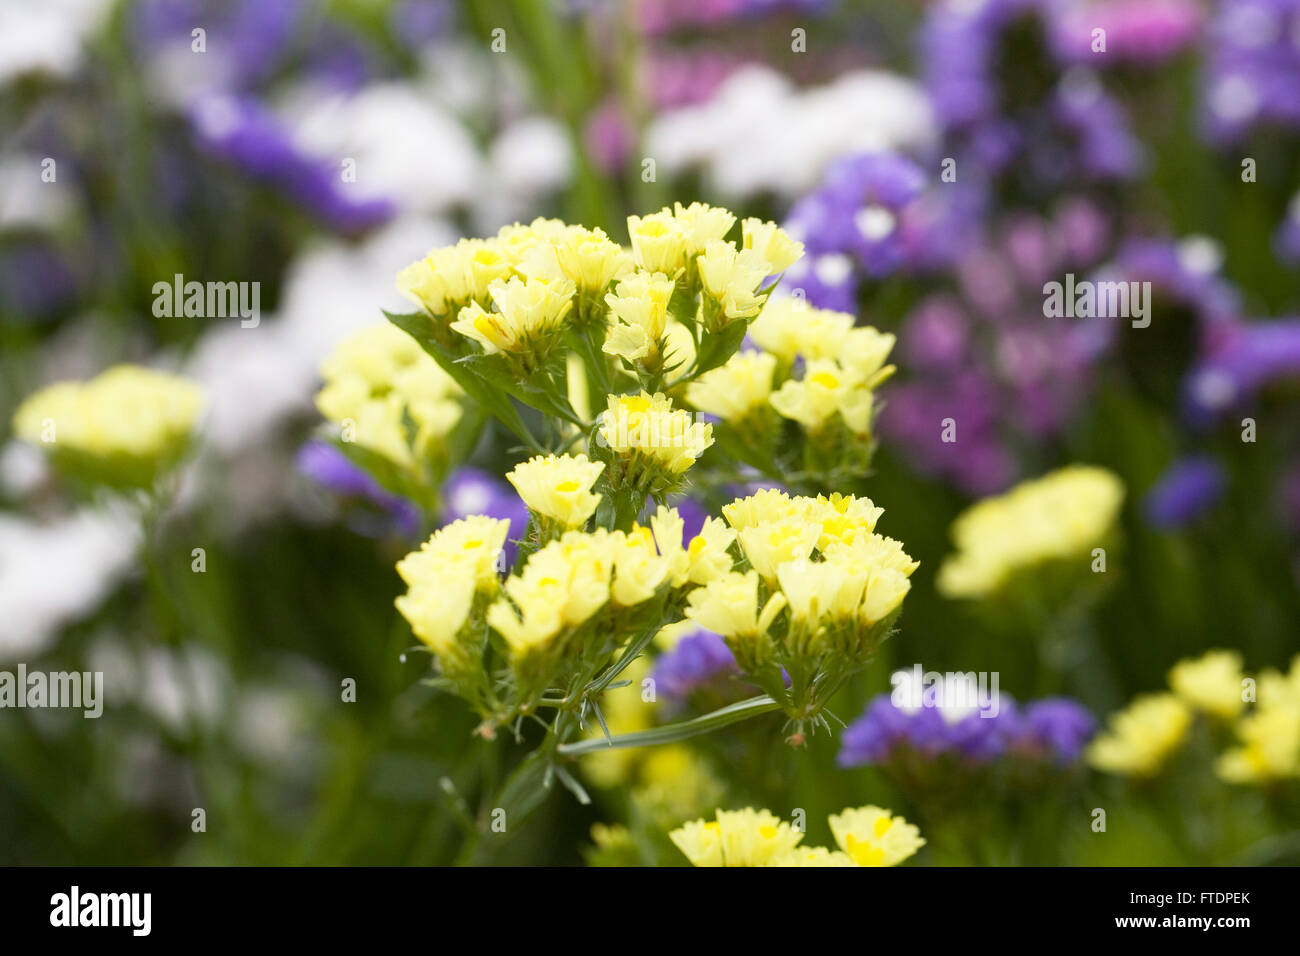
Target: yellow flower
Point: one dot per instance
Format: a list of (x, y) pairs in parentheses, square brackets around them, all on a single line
[(375, 380), (1276, 688), (457, 563), (737, 389), (640, 309), (647, 427), (529, 317), (765, 505), (590, 259), (771, 544), (638, 568), (870, 836), (679, 347), (1142, 736), (732, 280), (1271, 735), (658, 242), (728, 605), (813, 856), (745, 837), (772, 243), (558, 487), (829, 387), (789, 327), (563, 585), (131, 416), (1212, 683), (702, 224), (470, 546), (1061, 516)]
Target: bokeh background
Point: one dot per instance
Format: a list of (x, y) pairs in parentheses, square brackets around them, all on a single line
[(130, 155)]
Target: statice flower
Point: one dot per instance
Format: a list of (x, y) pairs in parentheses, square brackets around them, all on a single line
[(1140, 33), (1054, 727), (1253, 68), (1072, 130), (1254, 357), (1189, 488), (245, 133), (333, 470), (698, 661), (1287, 240)]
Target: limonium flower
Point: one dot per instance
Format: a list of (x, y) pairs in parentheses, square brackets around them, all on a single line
[(731, 280), (557, 488), (789, 327), (1059, 517), (651, 443), (1142, 737), (867, 836), (124, 427), (872, 837), (745, 837), (1269, 733), (528, 319), (452, 572), (375, 381), (639, 306), (1213, 683), (737, 390), (658, 243)]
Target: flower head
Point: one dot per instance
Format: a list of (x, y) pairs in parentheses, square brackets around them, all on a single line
[(870, 836), (1142, 737), (558, 487)]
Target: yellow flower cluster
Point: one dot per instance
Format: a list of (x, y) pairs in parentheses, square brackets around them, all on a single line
[(128, 416), (516, 292), (1143, 736), (842, 367), (819, 557), (654, 442), (1059, 517), (867, 836), (375, 381), (455, 569), (1269, 732), (557, 488)]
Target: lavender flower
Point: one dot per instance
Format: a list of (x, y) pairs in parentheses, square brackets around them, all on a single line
[(698, 661), (1142, 33), (1245, 361), (1189, 488), (243, 132), (333, 470), (1254, 68), (1053, 727)]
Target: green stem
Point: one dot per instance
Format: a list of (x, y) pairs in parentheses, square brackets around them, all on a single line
[(674, 732)]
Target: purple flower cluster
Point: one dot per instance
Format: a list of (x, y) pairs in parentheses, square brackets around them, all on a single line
[(873, 216), (1142, 33), (990, 360), (1053, 729), (1076, 132), (1247, 358), (245, 133), (664, 16), (1253, 69), (699, 661)]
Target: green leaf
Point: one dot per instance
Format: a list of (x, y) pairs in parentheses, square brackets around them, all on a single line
[(420, 327), (717, 347)]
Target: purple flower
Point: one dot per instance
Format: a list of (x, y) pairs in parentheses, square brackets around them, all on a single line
[(1140, 32), (243, 132), (1287, 240), (1053, 726), (470, 491), (698, 661), (333, 470), (884, 730), (1189, 488), (1253, 356), (1253, 68)]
